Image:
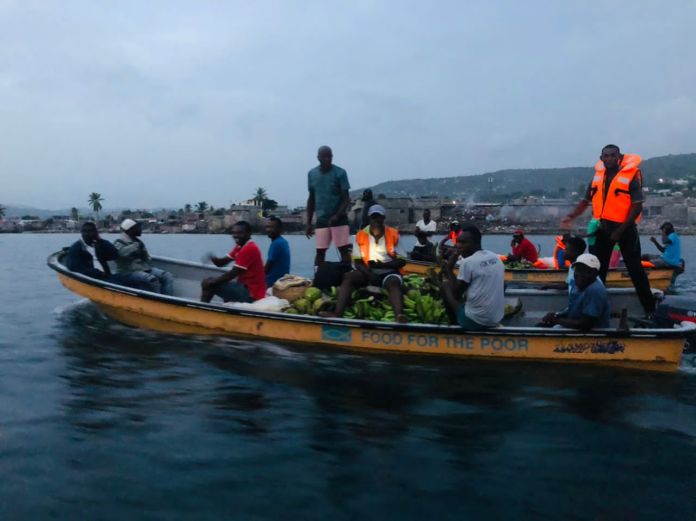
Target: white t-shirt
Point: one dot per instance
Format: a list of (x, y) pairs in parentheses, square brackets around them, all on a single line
[(378, 249), (92, 251), (485, 298), (430, 227)]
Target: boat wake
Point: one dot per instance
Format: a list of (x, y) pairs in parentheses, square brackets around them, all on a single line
[(83, 318)]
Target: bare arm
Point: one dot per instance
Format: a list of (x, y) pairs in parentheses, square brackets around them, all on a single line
[(220, 262), (578, 210), (310, 213)]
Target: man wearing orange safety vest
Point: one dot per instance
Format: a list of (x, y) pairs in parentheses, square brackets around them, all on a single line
[(616, 196), (376, 263)]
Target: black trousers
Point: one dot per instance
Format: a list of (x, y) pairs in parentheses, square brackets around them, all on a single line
[(630, 250)]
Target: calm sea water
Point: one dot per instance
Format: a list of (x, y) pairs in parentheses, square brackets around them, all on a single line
[(101, 421)]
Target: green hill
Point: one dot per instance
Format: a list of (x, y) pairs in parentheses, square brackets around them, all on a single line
[(504, 184)]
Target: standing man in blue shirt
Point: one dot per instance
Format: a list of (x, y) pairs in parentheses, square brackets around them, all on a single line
[(588, 301), (328, 196), (278, 258), (670, 248)]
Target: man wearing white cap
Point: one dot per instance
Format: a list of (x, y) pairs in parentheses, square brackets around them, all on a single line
[(588, 301), (134, 261), (376, 263)]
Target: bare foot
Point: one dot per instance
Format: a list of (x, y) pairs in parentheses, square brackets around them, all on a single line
[(401, 318)]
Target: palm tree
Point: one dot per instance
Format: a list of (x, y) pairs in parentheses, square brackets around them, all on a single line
[(2, 212), (201, 207), (74, 215), (260, 196), (95, 202), (187, 208)]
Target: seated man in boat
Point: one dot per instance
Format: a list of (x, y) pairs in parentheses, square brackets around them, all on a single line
[(424, 250), (445, 249), (522, 249), (246, 281), (481, 275), (376, 263), (670, 249), (82, 253), (278, 257), (133, 262), (588, 301)]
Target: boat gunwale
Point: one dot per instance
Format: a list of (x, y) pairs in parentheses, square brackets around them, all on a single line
[(427, 264), (54, 263)]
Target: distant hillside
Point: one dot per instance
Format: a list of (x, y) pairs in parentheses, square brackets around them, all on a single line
[(528, 181)]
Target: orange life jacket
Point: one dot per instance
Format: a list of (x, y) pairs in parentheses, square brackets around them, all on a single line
[(618, 202), (362, 239), (453, 236), (560, 245), (647, 264)]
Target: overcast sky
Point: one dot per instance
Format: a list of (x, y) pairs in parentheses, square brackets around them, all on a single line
[(164, 103)]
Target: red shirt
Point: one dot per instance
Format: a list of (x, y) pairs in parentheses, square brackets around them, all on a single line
[(248, 258), (526, 250)]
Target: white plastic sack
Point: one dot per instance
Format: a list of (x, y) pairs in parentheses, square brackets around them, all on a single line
[(265, 304)]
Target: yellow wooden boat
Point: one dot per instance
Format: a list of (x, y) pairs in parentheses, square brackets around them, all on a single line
[(653, 349), (660, 278)]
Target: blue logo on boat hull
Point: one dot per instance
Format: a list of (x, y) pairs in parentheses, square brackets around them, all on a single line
[(336, 333)]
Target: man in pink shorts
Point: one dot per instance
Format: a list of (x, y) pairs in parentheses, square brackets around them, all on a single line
[(328, 198)]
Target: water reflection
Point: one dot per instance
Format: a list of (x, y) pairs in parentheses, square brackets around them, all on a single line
[(356, 433)]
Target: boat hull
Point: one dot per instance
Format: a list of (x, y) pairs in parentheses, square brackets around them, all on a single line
[(660, 278), (651, 349)]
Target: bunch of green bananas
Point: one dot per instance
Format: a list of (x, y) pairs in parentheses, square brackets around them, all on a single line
[(517, 265), (425, 309), (371, 309), (413, 281)]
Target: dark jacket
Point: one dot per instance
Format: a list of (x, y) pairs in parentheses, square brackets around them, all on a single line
[(80, 260)]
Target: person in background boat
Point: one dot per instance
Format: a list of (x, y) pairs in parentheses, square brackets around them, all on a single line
[(588, 301), (481, 275), (446, 250), (670, 248), (81, 255), (424, 250), (575, 246), (328, 196), (367, 201), (559, 260), (278, 257), (522, 248), (616, 196), (133, 261), (592, 228), (246, 281), (376, 263), (426, 225)]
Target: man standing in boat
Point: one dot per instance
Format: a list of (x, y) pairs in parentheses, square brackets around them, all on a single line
[(616, 196), (246, 281), (328, 197)]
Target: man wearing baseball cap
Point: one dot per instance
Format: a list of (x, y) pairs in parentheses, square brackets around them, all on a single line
[(588, 301), (133, 261), (376, 263)]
